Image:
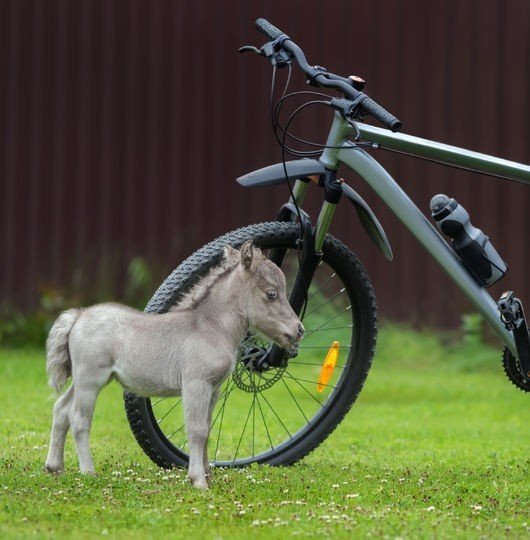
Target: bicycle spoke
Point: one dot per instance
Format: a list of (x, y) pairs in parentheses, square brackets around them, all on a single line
[(172, 408), (176, 431), (347, 308), (222, 416), (183, 444), (304, 388), (264, 422), (244, 428), (326, 302), (226, 395), (295, 400), (157, 402), (311, 382), (317, 364), (307, 333), (322, 347), (275, 414), (322, 286), (253, 423)]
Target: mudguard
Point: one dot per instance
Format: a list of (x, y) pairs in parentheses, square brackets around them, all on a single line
[(274, 175), (369, 222)]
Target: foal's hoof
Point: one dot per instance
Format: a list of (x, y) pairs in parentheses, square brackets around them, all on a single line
[(53, 469), (199, 483)]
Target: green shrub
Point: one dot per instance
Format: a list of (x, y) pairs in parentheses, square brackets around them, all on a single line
[(29, 329)]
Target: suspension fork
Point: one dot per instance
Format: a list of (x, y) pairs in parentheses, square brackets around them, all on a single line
[(288, 213), (312, 239)]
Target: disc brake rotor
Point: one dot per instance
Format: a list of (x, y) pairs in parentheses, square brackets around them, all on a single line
[(245, 376)]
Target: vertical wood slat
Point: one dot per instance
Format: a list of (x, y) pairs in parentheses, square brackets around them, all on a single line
[(124, 124)]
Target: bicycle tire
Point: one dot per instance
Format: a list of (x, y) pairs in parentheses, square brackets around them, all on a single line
[(360, 294)]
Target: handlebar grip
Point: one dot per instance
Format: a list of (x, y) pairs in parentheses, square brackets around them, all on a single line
[(265, 27), (372, 108)]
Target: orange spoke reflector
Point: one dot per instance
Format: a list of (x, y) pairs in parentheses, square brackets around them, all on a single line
[(328, 366)]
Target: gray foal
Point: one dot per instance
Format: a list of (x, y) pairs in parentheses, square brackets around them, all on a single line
[(186, 352)]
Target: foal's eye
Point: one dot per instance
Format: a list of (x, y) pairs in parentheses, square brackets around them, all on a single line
[(272, 295)]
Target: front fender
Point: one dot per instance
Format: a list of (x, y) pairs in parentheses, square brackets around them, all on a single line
[(274, 175), (369, 221)]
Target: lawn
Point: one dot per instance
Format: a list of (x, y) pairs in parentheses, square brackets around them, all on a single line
[(436, 446)]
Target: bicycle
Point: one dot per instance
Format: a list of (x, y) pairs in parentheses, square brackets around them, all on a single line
[(275, 409)]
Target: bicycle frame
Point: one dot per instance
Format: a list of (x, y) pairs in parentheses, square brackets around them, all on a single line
[(340, 150)]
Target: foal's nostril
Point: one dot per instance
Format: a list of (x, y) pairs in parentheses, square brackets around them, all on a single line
[(300, 330)]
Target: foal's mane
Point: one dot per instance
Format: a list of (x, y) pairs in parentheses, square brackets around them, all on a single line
[(203, 287)]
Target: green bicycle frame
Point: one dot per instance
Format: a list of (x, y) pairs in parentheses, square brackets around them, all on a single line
[(340, 150)]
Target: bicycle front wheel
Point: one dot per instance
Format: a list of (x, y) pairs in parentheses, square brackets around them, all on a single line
[(279, 415)]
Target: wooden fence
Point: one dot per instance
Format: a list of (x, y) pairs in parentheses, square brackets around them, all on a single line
[(124, 124)]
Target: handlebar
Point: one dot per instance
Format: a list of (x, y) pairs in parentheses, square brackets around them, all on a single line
[(265, 27), (320, 77)]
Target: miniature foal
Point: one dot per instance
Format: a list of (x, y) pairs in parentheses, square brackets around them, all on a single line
[(188, 351)]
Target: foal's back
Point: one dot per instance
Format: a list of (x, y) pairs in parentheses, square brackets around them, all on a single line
[(143, 351)]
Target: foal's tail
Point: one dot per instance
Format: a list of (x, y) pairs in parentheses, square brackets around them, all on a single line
[(58, 362)]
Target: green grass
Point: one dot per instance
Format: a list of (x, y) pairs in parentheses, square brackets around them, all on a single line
[(436, 446)]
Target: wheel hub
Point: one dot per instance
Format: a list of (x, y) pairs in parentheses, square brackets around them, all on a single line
[(250, 374)]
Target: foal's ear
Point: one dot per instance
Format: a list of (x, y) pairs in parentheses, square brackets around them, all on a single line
[(247, 254), (230, 253)]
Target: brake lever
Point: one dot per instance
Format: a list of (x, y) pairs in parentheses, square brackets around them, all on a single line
[(278, 57), (250, 48), (349, 109)]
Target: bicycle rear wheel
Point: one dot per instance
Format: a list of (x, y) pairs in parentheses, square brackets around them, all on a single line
[(279, 415)]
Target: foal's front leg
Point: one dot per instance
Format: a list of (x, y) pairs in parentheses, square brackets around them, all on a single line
[(211, 407), (196, 398)]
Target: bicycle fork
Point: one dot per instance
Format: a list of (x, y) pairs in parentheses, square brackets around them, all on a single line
[(310, 247)]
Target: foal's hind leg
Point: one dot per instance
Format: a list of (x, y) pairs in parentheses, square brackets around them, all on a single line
[(196, 397), (60, 425), (88, 383)]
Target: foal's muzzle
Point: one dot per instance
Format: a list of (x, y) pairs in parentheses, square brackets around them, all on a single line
[(300, 331), (295, 340)]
